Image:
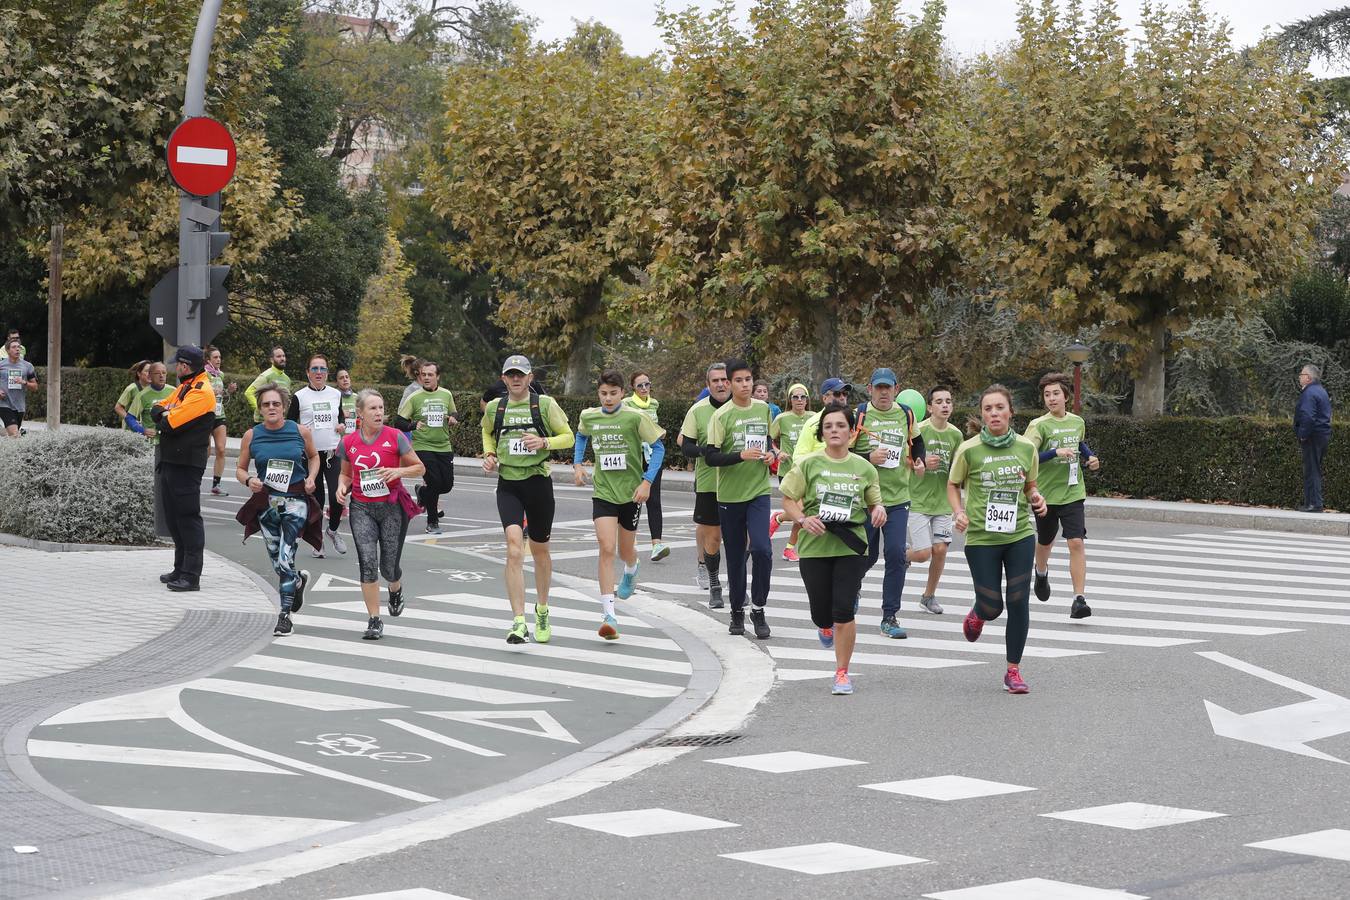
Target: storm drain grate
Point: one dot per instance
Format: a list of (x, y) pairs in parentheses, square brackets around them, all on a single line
[(697, 740)]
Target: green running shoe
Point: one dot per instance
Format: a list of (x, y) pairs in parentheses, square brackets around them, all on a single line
[(542, 631), (518, 633)]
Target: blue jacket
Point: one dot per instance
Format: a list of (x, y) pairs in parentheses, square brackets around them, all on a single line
[(1312, 416)]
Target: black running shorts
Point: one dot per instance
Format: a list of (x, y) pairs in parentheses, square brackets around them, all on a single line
[(530, 497), (627, 513), (1067, 517), (705, 508)]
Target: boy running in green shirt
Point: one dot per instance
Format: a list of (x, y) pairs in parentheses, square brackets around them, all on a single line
[(930, 515), (707, 524), (1060, 439), (623, 482)]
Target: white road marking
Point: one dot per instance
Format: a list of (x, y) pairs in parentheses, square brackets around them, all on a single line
[(643, 822), (948, 787), (824, 859), (1333, 843), (270, 693), (1034, 889), (786, 761), (231, 831), (391, 681), (1133, 816), (149, 756), (443, 740)]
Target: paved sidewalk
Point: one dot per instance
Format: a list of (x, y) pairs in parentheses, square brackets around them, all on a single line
[(90, 624)]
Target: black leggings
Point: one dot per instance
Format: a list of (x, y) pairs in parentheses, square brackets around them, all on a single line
[(654, 510), (988, 566), (832, 585), (330, 467)]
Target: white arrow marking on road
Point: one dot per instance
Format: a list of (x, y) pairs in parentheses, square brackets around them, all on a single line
[(203, 156), (440, 738), (329, 582), (549, 727), (1288, 728)]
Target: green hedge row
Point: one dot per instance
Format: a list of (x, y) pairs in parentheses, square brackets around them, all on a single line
[(1234, 460)]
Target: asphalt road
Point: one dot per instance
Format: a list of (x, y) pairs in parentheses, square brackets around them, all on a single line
[(1201, 710)]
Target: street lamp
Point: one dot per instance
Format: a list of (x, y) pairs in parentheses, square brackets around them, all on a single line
[(1078, 354)]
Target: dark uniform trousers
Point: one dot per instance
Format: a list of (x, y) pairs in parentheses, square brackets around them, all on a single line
[(180, 489)]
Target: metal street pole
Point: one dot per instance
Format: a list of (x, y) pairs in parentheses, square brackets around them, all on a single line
[(193, 282), (54, 328)]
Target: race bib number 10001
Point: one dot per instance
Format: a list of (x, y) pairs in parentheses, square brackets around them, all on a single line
[(1000, 513), (756, 436)]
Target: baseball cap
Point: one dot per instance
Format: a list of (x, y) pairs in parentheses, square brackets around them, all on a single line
[(516, 363), (191, 355), (830, 385), (883, 376)]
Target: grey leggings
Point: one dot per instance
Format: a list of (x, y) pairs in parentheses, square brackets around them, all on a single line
[(378, 530)]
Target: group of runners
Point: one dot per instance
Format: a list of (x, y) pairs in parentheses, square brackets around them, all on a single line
[(858, 482)]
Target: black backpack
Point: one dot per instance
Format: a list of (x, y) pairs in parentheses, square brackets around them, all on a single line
[(535, 414)]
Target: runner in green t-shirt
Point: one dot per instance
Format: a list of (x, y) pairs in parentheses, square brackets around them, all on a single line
[(642, 400), (785, 430), (218, 433), (1061, 439), (429, 413), (888, 435), (624, 474), (738, 447), (930, 514), (833, 495), (998, 470), (154, 392), (343, 382), (274, 374), (126, 401), (516, 445), (707, 523), (832, 390)]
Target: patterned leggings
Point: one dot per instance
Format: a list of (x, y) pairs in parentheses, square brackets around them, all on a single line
[(378, 530), (281, 525)]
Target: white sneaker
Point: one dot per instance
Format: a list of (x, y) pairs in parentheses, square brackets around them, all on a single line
[(929, 602), (338, 543), (702, 580), (317, 554)]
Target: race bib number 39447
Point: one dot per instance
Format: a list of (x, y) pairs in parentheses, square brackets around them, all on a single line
[(1000, 513)]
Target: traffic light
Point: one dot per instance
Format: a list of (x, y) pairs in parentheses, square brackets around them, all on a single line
[(190, 305)]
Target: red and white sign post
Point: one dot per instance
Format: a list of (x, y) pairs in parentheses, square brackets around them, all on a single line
[(201, 156)]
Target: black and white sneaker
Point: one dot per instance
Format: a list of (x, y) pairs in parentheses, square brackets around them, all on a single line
[(1043, 586), (737, 622), (761, 625), (396, 602), (299, 600), (1080, 608), (374, 629), (283, 627), (715, 600)]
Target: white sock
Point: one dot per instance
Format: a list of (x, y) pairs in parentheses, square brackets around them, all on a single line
[(630, 570), (1046, 572), (607, 602)]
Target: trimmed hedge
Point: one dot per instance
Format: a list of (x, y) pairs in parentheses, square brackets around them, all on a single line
[(1228, 460)]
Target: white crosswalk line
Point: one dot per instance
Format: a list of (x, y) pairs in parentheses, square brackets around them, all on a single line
[(1226, 548), (913, 643), (872, 659), (523, 672), (498, 605), (1095, 564), (613, 655), (391, 681), (318, 700), (149, 756)]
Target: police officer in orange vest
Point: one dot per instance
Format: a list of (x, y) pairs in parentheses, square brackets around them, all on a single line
[(184, 422)]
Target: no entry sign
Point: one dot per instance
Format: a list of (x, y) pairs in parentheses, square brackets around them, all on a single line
[(201, 156)]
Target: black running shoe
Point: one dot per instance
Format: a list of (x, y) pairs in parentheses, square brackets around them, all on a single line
[(1043, 586), (283, 625), (374, 629), (1080, 608), (184, 583), (168, 576), (396, 602), (715, 600), (737, 622), (299, 600), (761, 626)]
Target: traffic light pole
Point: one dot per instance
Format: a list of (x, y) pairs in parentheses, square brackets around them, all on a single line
[(193, 242)]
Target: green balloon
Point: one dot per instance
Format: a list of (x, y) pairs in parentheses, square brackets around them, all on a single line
[(914, 400)]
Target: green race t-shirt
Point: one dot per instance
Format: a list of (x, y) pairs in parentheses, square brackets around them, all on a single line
[(1061, 478), (786, 429), (891, 429), (514, 461), (270, 375), (733, 429), (433, 410), (695, 427), (994, 479), (127, 400), (617, 440), (218, 385), (928, 494), (834, 489), (147, 398), (650, 411), (349, 409)]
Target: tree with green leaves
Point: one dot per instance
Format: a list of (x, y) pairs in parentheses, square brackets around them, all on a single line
[(796, 177), (1137, 190), (386, 315), (541, 161)]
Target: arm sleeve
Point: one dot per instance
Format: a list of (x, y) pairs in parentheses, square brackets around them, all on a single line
[(916, 447), (562, 436), (579, 449), (654, 462), (715, 457), (689, 447), (1084, 451), (294, 412), (489, 418), (1046, 455), (134, 424)]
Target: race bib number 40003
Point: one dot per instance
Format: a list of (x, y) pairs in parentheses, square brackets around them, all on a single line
[(277, 476), (1000, 513), (372, 485), (835, 507)]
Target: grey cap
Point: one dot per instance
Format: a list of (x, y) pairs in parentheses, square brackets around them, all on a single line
[(516, 363)]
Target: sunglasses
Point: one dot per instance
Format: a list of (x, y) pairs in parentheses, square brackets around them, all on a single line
[(318, 368), (270, 403), (798, 397), (838, 393), (643, 385)]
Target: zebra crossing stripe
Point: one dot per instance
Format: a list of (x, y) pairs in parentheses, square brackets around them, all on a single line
[(873, 659), (302, 668), (149, 756), (556, 611)]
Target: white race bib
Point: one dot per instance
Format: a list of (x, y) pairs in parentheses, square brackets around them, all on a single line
[(835, 507), (613, 462), (516, 447), (220, 408), (324, 416), (278, 474), (1073, 471), (15, 379), (894, 452), (756, 436), (1000, 513), (433, 415), (372, 485)]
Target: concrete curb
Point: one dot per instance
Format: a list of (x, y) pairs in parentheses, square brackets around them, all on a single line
[(14, 540)]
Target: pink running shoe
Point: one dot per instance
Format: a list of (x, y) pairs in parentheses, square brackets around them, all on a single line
[(1014, 683), (790, 553), (843, 685), (972, 626), (774, 522)]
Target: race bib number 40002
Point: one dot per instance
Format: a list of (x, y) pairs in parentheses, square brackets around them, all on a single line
[(1000, 513), (835, 507), (372, 485), (277, 476)]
